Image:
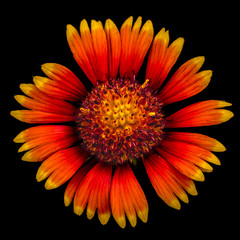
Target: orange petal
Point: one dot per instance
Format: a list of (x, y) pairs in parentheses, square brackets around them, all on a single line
[(61, 165), (42, 131), (164, 184), (56, 89), (185, 82), (99, 41), (51, 106), (114, 47), (135, 44), (31, 116), (197, 139), (43, 151), (84, 189), (125, 33), (135, 192), (79, 53), (185, 167), (191, 153), (75, 181), (43, 140), (203, 113), (104, 210), (156, 57), (66, 77), (162, 59), (143, 43), (115, 200), (171, 57)]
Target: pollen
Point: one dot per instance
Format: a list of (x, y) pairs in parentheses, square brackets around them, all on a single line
[(120, 120)]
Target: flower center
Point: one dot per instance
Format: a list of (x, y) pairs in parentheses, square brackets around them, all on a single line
[(120, 120)]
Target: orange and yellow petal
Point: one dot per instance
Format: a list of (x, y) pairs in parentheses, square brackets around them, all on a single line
[(99, 41), (94, 191), (61, 166), (41, 131), (168, 182), (197, 139), (185, 167), (65, 77), (162, 58), (46, 105), (205, 113), (42, 141), (135, 44), (191, 153), (157, 56), (186, 82), (75, 181), (56, 89), (127, 197), (114, 47), (30, 116), (79, 52)]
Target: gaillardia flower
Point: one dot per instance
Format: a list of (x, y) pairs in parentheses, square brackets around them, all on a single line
[(120, 122)]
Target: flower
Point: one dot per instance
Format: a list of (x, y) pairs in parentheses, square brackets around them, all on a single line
[(94, 138)]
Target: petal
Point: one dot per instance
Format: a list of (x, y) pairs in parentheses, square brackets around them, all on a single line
[(191, 153), (43, 151), (42, 131), (99, 41), (51, 106), (157, 56), (64, 76), (84, 189), (45, 140), (161, 184), (75, 181), (125, 33), (161, 60), (135, 44), (143, 43), (104, 210), (99, 197), (136, 194), (79, 53), (197, 139), (56, 89), (127, 197), (185, 82), (62, 165), (185, 167), (31, 116), (115, 200), (205, 113), (114, 47)]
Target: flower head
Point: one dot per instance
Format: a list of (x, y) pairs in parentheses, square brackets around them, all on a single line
[(92, 139)]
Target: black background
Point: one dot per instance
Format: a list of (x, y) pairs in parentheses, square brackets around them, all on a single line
[(34, 34)]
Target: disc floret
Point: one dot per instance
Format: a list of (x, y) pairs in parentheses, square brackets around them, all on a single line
[(120, 120)]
